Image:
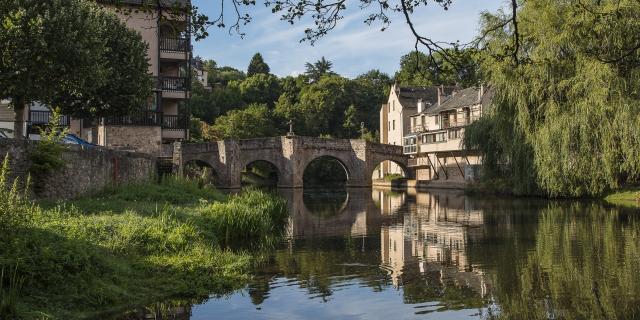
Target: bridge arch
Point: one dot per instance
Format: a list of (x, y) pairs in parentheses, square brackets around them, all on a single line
[(261, 172), (378, 168), (201, 170), (325, 168)]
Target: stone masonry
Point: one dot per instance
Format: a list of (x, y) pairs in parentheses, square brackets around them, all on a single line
[(290, 155), (86, 170)]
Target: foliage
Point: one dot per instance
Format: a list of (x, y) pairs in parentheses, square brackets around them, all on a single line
[(315, 71), (566, 112), (128, 245), (450, 67), (46, 155), (261, 89), (69, 54), (253, 121), (257, 66)]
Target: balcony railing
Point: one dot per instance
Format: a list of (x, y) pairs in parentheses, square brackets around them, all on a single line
[(175, 122), (176, 84), (39, 120), (174, 44), (149, 119), (146, 118), (44, 117)]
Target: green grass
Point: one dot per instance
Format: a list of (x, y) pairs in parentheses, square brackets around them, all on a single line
[(627, 197), (127, 246)]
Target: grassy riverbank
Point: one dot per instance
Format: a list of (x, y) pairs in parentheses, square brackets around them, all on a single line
[(629, 197), (127, 246)]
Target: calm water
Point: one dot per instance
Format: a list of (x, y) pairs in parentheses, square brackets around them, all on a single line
[(363, 254)]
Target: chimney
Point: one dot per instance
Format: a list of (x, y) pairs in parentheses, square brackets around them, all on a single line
[(420, 105), (481, 92), (440, 89)]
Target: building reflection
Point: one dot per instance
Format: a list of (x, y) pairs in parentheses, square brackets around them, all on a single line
[(431, 242)]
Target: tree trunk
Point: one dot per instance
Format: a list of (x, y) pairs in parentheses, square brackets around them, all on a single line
[(18, 125)]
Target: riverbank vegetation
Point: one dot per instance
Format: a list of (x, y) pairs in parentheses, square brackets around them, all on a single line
[(129, 245), (566, 111)]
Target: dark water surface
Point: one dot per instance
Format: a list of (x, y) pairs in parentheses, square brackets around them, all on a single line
[(363, 254)]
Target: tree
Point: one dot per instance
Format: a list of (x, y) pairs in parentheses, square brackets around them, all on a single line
[(419, 69), (318, 69), (127, 83), (60, 53), (566, 113), (252, 122), (261, 89), (257, 66)]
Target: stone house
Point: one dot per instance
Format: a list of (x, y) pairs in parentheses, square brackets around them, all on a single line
[(165, 118), (396, 113), (434, 139)]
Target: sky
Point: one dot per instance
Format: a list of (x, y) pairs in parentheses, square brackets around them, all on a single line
[(353, 47)]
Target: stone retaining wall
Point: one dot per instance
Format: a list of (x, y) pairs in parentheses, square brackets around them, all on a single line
[(86, 170)]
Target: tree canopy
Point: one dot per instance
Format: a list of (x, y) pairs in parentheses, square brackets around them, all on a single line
[(566, 110), (69, 54), (257, 66), (315, 71)]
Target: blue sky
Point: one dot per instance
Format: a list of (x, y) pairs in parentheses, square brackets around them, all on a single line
[(353, 46)]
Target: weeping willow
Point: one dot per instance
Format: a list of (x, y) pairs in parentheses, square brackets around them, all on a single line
[(565, 115)]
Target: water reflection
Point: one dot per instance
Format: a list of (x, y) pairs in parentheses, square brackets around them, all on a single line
[(377, 254)]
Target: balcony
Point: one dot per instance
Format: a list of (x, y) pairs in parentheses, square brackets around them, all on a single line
[(39, 120), (175, 122), (150, 119), (174, 48), (146, 118), (174, 87)]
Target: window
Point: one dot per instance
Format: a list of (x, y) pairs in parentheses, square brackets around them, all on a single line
[(455, 134), (437, 119), (389, 126), (434, 137), (394, 124), (422, 120), (393, 105)]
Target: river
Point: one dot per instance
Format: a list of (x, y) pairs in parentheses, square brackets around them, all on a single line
[(375, 254)]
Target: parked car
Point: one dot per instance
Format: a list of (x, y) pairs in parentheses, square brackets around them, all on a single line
[(70, 138), (6, 133)]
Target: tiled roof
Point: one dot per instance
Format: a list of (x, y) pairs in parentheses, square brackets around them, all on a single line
[(459, 99), (409, 96)]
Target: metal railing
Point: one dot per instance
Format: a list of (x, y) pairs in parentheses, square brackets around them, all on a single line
[(174, 44), (145, 118), (175, 122), (174, 83), (149, 119), (44, 117)]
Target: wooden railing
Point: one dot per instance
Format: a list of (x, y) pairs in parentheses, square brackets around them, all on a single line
[(419, 128)]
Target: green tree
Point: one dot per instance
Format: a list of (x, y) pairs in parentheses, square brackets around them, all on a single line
[(61, 53), (315, 71), (566, 111), (372, 90), (450, 67), (261, 89), (252, 122), (257, 66)]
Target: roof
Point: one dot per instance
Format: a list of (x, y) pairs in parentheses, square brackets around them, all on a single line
[(409, 96), (463, 98)]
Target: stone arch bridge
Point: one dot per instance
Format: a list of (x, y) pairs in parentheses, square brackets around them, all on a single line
[(290, 156)]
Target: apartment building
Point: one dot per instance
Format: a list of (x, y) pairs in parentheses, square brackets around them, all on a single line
[(434, 140), (165, 118), (395, 115)]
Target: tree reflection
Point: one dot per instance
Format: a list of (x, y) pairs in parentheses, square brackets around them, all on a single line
[(585, 265)]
